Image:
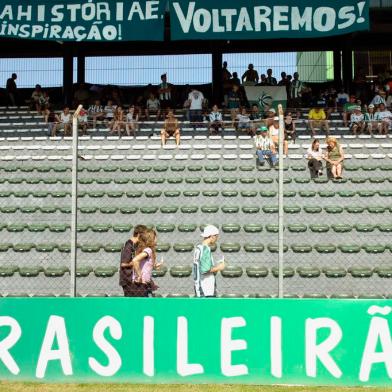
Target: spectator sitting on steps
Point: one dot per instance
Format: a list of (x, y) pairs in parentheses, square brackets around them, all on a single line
[(170, 128), (265, 147), (315, 157), (334, 158), (318, 119)]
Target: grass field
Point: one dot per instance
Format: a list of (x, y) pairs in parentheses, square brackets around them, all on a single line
[(27, 387)]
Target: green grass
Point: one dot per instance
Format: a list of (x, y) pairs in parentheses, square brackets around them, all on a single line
[(31, 387)]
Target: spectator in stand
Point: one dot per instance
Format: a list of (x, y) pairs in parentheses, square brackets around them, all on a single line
[(116, 96), (296, 89), (195, 104), (255, 117), (378, 99), (348, 108), (216, 122), (83, 121), (36, 97), (263, 80), (271, 113), (388, 101), (165, 91), (132, 121), (235, 80), (315, 157), (289, 130), (119, 121), (234, 103), (226, 75), (12, 89), (357, 121), (97, 112), (274, 135), (265, 147), (66, 121), (370, 119), (81, 95), (170, 128), (334, 157), (318, 119), (270, 80), (109, 110), (243, 122), (153, 106), (250, 76), (285, 82), (384, 119), (52, 119), (342, 98), (44, 101)]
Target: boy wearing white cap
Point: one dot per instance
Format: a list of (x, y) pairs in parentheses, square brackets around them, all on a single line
[(204, 268)]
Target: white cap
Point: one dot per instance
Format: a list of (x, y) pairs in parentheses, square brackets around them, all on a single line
[(371, 106), (276, 118), (272, 110), (209, 231)]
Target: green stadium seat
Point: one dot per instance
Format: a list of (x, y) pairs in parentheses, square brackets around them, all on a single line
[(44, 169), (16, 228), (229, 168), (253, 228), (326, 194), (28, 209), (210, 180), (297, 228), (175, 180), (112, 248), (178, 168), (121, 180), (320, 180), (288, 272), (91, 169), (289, 193), (192, 180), (369, 167), (319, 228), (377, 180), (307, 193), (365, 228), (187, 228), (385, 228), (110, 169), (314, 296), (268, 194), (346, 193), (325, 248), (45, 247), (162, 247), (229, 180), (195, 168), (88, 210), (254, 248), (308, 272), (91, 248), (371, 296), (312, 209), (385, 167), (358, 180), (342, 296), (210, 193), (108, 210), (61, 169), (157, 180), (189, 209), (100, 228), (232, 271), (292, 209), (211, 167), (96, 194), (21, 194), (105, 272), (272, 228), (55, 272), (247, 180), (33, 180), (264, 180), (159, 273), (230, 209), (210, 209), (8, 270), (334, 272), (127, 169), (298, 168), (181, 271), (231, 228), (148, 210), (249, 193), (114, 194), (374, 248), (152, 194), (64, 248), (349, 248), (17, 180), (191, 193), (23, 247), (301, 248), (301, 180), (385, 193), (134, 194), (250, 209), (82, 228), (58, 194), (376, 209), (367, 193), (229, 193), (183, 247), (257, 272), (8, 209), (230, 247), (30, 272), (355, 209), (139, 181), (333, 209), (168, 209), (275, 248), (165, 228), (26, 169), (83, 271), (246, 168), (122, 228), (360, 272), (384, 271), (270, 209), (172, 193)]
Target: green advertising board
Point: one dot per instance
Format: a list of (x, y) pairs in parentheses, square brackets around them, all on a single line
[(260, 19), (77, 20), (247, 341)]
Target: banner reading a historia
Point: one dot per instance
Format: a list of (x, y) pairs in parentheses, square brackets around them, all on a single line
[(74, 20), (255, 341), (266, 96), (260, 19)]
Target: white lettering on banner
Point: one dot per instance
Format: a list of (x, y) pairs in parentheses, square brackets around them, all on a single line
[(324, 19), (114, 359), (148, 347), (202, 20), (228, 345), (185, 21), (184, 368), (321, 351), (57, 15), (41, 13), (276, 347), (24, 13), (7, 13), (217, 27), (244, 21), (347, 14), (298, 21), (152, 8), (228, 15), (379, 332), (262, 14), (136, 9), (54, 330), (281, 20), (8, 342)]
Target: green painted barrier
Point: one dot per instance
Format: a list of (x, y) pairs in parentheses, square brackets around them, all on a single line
[(252, 341)]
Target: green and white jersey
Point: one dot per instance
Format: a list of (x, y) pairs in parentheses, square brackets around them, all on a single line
[(204, 279)]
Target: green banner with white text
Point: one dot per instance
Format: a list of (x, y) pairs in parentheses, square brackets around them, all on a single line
[(260, 19), (243, 341), (76, 20)]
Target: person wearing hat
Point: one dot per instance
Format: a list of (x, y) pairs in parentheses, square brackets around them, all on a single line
[(370, 120), (271, 113), (274, 135), (204, 268), (357, 121), (384, 118), (265, 147)]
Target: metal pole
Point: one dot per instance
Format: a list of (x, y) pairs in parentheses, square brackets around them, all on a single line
[(74, 201), (280, 200)]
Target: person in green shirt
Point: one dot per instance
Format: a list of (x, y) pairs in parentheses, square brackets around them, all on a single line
[(204, 268)]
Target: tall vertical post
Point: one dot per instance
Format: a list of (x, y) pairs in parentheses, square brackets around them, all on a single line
[(81, 71), (217, 87), (280, 201), (67, 73), (337, 66), (347, 60), (74, 201)]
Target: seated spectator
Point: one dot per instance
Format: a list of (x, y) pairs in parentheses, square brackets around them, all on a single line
[(274, 135), (318, 119), (271, 113), (270, 80), (250, 77), (83, 121), (65, 121), (265, 148), (378, 99), (348, 108), (370, 119), (195, 104), (315, 157), (342, 98), (153, 106), (233, 103), (170, 128), (36, 97), (334, 157), (97, 112), (357, 121), (216, 121), (109, 110), (243, 122), (119, 121), (131, 121), (384, 119), (52, 119), (289, 130), (44, 101), (81, 95), (256, 117)]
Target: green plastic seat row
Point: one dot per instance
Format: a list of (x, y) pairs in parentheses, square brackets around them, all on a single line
[(37, 194)]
